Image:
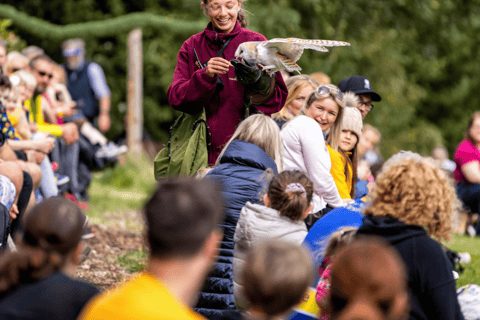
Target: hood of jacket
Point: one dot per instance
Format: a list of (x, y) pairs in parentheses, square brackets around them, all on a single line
[(258, 222), (393, 230), (248, 154)]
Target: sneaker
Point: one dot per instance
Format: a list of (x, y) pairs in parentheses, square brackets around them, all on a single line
[(471, 231), (61, 180), (87, 232), (54, 166), (464, 257), (111, 150)]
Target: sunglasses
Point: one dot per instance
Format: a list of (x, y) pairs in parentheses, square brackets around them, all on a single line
[(325, 91), (43, 74)]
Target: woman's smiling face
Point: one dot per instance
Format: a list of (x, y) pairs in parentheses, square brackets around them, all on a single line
[(222, 13), (324, 111)]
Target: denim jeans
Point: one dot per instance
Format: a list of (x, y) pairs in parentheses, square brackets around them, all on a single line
[(469, 193)]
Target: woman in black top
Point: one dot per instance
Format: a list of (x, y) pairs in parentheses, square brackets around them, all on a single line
[(413, 203), (35, 281)]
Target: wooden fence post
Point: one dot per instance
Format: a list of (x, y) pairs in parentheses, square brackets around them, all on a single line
[(135, 92)]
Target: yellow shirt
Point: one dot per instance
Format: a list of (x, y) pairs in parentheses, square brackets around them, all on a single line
[(344, 186), (144, 297), (14, 118), (36, 115)]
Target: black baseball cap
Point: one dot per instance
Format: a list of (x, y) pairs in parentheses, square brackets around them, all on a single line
[(358, 85)]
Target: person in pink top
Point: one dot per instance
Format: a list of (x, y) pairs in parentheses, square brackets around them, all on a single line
[(195, 81), (467, 173)]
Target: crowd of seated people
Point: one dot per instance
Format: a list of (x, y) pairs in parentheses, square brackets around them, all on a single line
[(45, 129)]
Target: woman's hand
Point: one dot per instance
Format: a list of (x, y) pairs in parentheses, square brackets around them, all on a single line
[(217, 65), (44, 145)]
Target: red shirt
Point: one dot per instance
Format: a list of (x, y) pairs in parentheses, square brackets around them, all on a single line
[(193, 89)]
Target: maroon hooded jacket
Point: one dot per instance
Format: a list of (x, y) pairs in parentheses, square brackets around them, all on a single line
[(192, 89)]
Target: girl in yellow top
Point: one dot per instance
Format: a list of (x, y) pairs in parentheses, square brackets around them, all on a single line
[(343, 153)]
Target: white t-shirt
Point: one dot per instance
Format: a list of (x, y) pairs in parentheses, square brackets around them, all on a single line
[(304, 149)]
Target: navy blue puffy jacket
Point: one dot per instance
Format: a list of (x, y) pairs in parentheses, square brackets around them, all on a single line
[(241, 171)]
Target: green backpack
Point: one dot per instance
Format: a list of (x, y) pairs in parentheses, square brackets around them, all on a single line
[(187, 149)]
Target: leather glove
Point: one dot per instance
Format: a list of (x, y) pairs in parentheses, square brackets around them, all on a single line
[(259, 86)]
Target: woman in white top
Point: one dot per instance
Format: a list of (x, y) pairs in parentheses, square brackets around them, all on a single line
[(304, 143)]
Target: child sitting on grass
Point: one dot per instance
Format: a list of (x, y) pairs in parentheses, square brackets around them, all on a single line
[(338, 240), (287, 203)]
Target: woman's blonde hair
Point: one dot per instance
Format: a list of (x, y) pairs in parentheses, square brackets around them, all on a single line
[(261, 131), (241, 16), (295, 85), (13, 57), (415, 193), (276, 276), (335, 94)]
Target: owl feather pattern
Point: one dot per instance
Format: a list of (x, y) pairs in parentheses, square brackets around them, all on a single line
[(277, 54)]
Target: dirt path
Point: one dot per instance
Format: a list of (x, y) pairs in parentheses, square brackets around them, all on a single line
[(101, 267)]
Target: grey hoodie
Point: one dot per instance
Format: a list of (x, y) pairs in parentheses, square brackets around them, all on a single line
[(255, 224)]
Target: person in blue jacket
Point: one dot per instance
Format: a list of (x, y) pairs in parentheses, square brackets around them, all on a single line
[(249, 159)]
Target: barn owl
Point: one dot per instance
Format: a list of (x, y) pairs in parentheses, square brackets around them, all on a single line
[(277, 54)]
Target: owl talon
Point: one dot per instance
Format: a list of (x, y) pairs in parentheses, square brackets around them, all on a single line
[(267, 69)]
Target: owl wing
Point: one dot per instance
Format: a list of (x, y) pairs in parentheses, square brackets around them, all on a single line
[(293, 47)]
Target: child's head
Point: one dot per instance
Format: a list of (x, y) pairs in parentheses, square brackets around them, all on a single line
[(340, 239), (368, 281), (27, 79), (10, 100), (277, 275), (290, 192), (351, 129)]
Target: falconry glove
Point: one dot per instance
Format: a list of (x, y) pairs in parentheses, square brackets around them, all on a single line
[(259, 86)]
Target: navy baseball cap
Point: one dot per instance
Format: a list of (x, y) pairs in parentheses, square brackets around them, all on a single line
[(358, 85)]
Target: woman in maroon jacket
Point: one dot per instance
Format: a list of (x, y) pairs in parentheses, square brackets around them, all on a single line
[(194, 87)]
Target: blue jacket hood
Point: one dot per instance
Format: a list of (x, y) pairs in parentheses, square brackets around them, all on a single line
[(248, 154)]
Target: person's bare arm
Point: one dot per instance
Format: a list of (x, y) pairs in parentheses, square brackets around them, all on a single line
[(48, 112), (104, 121), (471, 171), (42, 145)]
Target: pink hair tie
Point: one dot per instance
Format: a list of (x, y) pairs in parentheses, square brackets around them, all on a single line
[(296, 187)]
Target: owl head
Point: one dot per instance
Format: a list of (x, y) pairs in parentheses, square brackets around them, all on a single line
[(246, 50)]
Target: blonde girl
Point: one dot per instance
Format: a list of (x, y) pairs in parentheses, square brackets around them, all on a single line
[(343, 152)]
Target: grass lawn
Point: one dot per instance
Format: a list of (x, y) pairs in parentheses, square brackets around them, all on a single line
[(118, 194), (472, 246)]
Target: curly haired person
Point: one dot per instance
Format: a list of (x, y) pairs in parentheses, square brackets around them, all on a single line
[(414, 203)]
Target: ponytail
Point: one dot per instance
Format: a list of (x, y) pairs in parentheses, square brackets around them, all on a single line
[(242, 16), (290, 192), (53, 230), (27, 265)]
